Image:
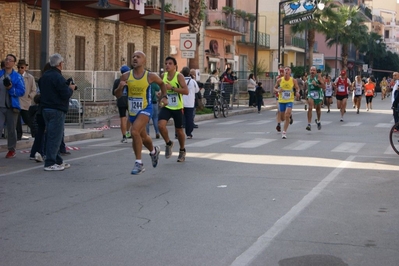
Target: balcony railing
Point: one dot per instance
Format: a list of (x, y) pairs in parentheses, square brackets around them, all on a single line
[(171, 6), (217, 18), (300, 43), (263, 38)]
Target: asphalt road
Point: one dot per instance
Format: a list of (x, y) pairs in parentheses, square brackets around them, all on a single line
[(244, 196)]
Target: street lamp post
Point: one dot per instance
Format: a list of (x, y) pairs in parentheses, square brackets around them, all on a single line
[(162, 41)]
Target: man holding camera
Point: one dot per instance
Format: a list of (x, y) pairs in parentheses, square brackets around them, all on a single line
[(54, 103), (11, 88)]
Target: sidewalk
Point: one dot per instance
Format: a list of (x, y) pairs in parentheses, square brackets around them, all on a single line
[(75, 133)]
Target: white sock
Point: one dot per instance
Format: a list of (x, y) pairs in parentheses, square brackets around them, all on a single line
[(153, 151), (139, 161)]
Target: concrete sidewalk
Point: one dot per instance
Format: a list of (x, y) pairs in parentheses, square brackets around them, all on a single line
[(75, 133)]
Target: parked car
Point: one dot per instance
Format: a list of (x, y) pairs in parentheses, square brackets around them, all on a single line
[(74, 112)]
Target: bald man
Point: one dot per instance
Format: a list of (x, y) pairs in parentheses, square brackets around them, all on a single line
[(138, 81)]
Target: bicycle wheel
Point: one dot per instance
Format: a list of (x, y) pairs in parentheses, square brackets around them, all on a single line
[(216, 108), (394, 138), (225, 108)]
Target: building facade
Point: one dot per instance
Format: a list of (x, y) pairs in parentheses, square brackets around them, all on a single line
[(89, 36)]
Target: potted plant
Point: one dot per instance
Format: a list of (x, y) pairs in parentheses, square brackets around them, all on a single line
[(251, 17), (227, 9), (168, 7)]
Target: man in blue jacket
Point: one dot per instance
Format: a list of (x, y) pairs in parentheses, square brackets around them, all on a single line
[(54, 104), (11, 88)]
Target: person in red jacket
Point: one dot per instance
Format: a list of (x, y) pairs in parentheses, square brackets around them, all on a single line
[(342, 85)]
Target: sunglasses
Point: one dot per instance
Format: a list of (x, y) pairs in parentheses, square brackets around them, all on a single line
[(20, 67)]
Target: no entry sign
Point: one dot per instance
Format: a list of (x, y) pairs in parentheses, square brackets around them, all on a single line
[(188, 41)]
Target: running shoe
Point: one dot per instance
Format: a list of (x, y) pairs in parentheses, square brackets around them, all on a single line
[(291, 120), (128, 135), (65, 165), (284, 135), (182, 156), (328, 111), (157, 136), (318, 124), (54, 167), (124, 140), (11, 154), (38, 157), (168, 150), (306, 107), (278, 128), (309, 128), (357, 112), (138, 168), (342, 119), (155, 156)]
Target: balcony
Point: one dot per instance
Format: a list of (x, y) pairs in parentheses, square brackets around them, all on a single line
[(249, 39), (226, 23), (179, 7), (297, 42)]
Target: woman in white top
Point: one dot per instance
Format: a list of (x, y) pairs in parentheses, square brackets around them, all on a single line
[(329, 91), (358, 87), (215, 80), (251, 85)]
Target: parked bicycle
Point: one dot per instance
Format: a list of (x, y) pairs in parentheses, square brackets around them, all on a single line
[(394, 138), (220, 105)]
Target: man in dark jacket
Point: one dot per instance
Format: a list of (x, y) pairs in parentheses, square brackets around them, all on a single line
[(11, 88), (54, 104)]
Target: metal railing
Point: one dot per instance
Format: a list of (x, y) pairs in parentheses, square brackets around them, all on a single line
[(263, 38)]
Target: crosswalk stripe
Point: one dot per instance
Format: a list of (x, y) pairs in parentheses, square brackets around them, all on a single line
[(260, 122), (231, 122), (384, 125), (253, 143), (348, 147), (389, 151), (300, 145), (352, 124), (207, 142)]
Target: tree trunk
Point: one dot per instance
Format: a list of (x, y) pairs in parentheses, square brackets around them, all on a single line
[(311, 40), (344, 55), (194, 27)]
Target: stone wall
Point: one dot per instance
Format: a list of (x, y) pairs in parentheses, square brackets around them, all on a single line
[(106, 40)]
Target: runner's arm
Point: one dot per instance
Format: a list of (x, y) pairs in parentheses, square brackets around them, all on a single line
[(118, 92)]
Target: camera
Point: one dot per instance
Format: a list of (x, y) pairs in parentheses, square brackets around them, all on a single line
[(6, 82), (70, 81)]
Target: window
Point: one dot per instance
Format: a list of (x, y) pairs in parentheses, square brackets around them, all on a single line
[(229, 3), (34, 49), (154, 58), (386, 34), (130, 52), (213, 4), (80, 44)]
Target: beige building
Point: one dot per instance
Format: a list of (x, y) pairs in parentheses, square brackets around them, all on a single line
[(227, 39), (90, 37)]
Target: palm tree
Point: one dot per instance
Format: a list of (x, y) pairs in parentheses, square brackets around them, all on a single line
[(315, 25), (194, 19), (346, 29), (374, 48)]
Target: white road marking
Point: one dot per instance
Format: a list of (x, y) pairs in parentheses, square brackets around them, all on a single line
[(349, 147), (232, 122), (300, 145), (265, 240), (260, 122), (207, 142), (253, 143), (352, 124), (384, 125)]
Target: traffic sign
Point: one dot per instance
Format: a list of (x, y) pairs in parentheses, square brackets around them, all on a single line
[(188, 41), (365, 67), (188, 54)]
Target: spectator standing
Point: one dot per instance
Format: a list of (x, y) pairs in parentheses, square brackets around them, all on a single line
[(37, 121), (155, 89), (11, 88), (27, 99), (121, 103), (251, 84), (198, 96), (54, 104), (189, 102), (214, 79)]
